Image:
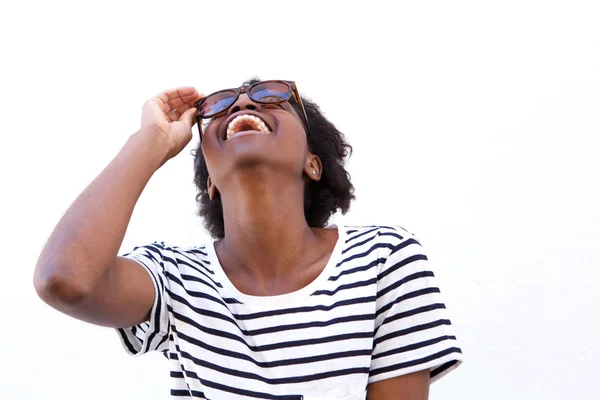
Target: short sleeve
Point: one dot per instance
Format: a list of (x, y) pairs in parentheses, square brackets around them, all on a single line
[(413, 331), (151, 335)]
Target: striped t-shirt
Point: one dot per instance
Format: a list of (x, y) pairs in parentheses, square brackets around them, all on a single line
[(374, 313)]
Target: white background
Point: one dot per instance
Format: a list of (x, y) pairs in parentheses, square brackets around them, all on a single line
[(474, 125)]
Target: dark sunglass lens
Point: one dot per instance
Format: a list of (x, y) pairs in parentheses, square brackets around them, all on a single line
[(217, 102), (270, 92)]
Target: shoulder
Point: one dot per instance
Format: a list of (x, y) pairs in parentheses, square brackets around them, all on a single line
[(389, 243), (382, 234), (167, 253)]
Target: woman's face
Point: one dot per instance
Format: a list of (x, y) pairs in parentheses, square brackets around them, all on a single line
[(235, 141)]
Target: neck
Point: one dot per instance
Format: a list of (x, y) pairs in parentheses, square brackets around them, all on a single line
[(266, 233)]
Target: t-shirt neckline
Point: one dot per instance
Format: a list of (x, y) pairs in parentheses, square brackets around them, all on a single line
[(283, 299)]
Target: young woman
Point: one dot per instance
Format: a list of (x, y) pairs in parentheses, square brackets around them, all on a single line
[(280, 305)]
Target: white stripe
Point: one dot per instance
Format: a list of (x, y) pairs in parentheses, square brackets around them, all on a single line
[(220, 360)]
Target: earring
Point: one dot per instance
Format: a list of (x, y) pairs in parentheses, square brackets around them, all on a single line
[(314, 172)]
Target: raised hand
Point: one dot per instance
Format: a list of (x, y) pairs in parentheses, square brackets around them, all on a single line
[(172, 115)]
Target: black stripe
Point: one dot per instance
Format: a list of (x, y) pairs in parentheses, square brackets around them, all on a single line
[(392, 234), (366, 253), (271, 329), (241, 392), (193, 278), (314, 341), (412, 329), (210, 331), (411, 363), (194, 293), (400, 264), (413, 346), (271, 364), (128, 344), (378, 234), (359, 235), (273, 381), (367, 240), (231, 300), (197, 251), (180, 375), (295, 310), (203, 261), (436, 371), (407, 296), (158, 302), (195, 260), (307, 325), (272, 346), (357, 269), (143, 328), (392, 228), (201, 311), (182, 262), (398, 283), (153, 248), (164, 339), (170, 260), (144, 257), (156, 247), (187, 393), (410, 313), (346, 286)]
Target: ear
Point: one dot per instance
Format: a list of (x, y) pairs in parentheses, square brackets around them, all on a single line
[(313, 167), (211, 188)]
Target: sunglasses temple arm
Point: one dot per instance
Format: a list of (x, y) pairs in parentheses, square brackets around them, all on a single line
[(306, 119), (199, 127), (299, 101)]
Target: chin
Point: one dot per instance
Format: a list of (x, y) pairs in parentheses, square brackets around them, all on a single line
[(258, 164)]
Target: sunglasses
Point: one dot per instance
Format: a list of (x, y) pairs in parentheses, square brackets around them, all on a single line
[(265, 92)]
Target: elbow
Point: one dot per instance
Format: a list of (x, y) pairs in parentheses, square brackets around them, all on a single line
[(56, 287)]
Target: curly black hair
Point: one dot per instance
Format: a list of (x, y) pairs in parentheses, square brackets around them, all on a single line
[(321, 198)]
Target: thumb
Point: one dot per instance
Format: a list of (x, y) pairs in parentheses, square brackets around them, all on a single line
[(188, 117)]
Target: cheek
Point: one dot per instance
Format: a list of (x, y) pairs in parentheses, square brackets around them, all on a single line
[(298, 142), (210, 129), (209, 148), (296, 146), (297, 134), (210, 139)]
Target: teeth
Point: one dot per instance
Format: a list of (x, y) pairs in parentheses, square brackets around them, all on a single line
[(258, 123)]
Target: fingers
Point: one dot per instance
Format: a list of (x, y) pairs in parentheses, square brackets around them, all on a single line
[(174, 103), (188, 117), (174, 115), (178, 99)]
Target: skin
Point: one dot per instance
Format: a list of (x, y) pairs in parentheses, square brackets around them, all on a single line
[(268, 248)]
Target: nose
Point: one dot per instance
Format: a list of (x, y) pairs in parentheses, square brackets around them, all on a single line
[(243, 103)]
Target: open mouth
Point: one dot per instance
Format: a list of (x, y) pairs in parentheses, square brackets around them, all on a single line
[(245, 123)]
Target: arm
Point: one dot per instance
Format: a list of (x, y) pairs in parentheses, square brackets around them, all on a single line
[(413, 331), (413, 386), (78, 271)]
